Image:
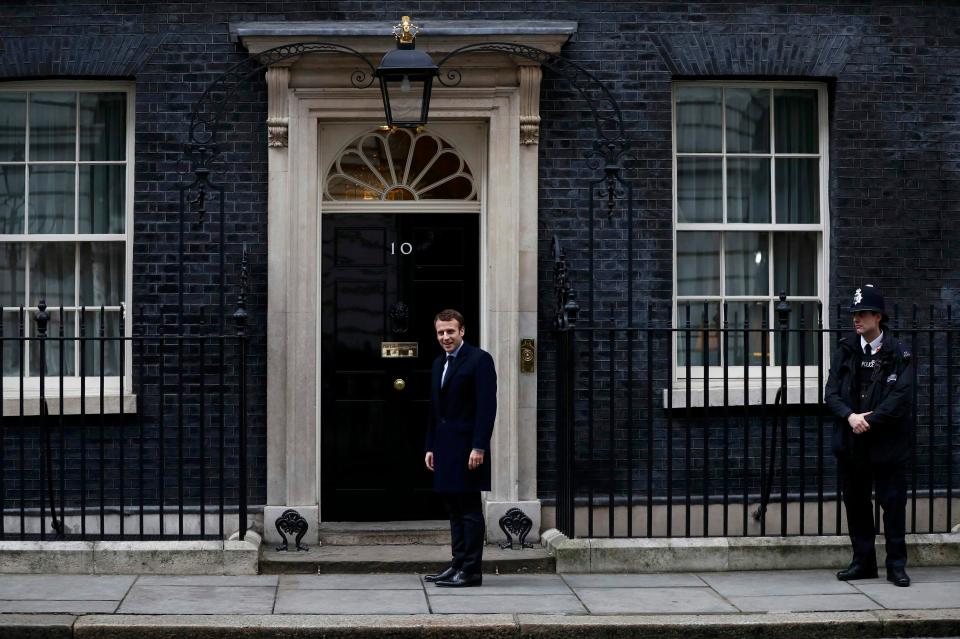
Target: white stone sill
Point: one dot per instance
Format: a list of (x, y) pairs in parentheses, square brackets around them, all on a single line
[(71, 404), (713, 396)]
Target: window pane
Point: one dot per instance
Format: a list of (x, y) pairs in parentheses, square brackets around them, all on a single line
[(703, 347), (795, 122), (13, 126), (103, 126), (51, 199), (110, 348), (795, 263), (801, 345), (699, 190), (798, 195), (53, 126), (52, 273), (101, 273), (12, 274), (699, 120), (11, 350), (52, 356), (750, 320), (12, 180), (748, 121), (747, 264), (698, 263), (748, 190), (102, 190)]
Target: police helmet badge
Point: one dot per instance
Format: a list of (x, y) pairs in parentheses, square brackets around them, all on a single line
[(857, 296)]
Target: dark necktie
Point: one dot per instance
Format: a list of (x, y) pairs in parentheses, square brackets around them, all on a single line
[(867, 351), (446, 370)]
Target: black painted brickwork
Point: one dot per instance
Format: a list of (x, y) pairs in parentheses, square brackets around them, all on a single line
[(893, 69)]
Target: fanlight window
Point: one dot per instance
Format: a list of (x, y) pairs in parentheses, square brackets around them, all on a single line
[(399, 165)]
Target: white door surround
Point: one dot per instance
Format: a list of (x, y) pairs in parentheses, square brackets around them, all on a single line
[(304, 95)]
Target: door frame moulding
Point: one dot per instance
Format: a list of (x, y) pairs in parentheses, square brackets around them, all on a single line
[(303, 96)]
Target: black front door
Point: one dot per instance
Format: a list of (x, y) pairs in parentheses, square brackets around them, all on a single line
[(384, 277)]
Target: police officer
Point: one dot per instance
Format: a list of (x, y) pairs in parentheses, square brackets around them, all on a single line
[(870, 391)]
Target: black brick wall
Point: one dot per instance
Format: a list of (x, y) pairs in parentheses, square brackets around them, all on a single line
[(893, 69)]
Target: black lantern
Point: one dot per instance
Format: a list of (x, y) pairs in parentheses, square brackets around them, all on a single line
[(405, 78)]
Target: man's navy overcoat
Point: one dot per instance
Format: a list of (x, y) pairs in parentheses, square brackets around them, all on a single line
[(462, 414)]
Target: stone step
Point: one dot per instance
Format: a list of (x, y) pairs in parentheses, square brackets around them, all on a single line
[(385, 533), (414, 558)]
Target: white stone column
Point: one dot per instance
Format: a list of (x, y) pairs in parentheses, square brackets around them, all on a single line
[(515, 476), (291, 459)]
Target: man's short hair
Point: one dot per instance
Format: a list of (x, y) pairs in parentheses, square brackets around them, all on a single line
[(448, 315)]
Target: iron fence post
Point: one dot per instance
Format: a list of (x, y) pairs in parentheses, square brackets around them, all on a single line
[(783, 321), (240, 317)]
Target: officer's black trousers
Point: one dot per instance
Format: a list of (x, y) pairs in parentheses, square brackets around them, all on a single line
[(466, 530), (857, 477)]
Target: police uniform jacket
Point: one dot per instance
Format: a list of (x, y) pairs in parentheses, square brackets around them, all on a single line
[(889, 394), (462, 414)]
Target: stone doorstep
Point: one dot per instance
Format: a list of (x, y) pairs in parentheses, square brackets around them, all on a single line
[(730, 553), (230, 557), (872, 624), (416, 558)]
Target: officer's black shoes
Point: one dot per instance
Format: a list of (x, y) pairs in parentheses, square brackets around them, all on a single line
[(898, 577), (441, 576), (857, 571), (461, 580)]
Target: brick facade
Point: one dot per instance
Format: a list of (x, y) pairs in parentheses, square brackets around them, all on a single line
[(892, 68)]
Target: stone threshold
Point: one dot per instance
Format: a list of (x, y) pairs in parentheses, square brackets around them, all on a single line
[(413, 558), (596, 555), (229, 557), (819, 625)]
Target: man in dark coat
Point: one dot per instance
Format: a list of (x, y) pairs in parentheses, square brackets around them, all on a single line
[(457, 450), (870, 391)]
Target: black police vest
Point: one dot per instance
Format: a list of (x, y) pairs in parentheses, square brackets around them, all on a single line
[(865, 376)]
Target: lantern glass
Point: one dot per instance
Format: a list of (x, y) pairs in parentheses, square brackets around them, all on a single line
[(407, 98)]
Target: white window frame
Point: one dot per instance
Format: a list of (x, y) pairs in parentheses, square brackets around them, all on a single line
[(735, 372), (72, 384)]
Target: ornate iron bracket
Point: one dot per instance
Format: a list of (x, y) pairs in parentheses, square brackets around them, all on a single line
[(567, 309), (516, 521), (291, 522)]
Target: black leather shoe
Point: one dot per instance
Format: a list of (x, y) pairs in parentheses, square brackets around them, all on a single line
[(461, 580), (857, 571), (898, 577), (449, 572)]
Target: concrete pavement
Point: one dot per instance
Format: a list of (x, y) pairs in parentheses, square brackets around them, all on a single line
[(729, 604)]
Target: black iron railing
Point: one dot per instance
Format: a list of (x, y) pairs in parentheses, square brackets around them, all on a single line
[(690, 424), (112, 436)]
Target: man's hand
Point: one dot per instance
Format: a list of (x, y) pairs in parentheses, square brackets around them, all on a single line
[(858, 422), (428, 460), (476, 458)]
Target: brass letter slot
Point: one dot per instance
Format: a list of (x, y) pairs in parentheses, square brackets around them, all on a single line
[(398, 349), (528, 355)]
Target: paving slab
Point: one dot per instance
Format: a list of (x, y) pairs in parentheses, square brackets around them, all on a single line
[(778, 582), (804, 603), (70, 607), (663, 580), (65, 587), (917, 596), (481, 603), (920, 574), (207, 580), (351, 582), (198, 600), (653, 600), (507, 585), (351, 602)]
